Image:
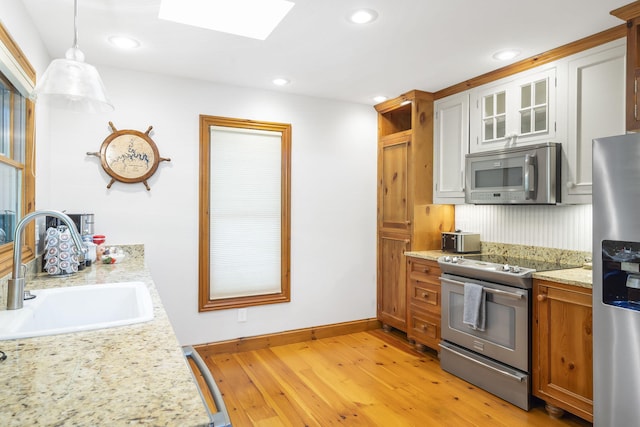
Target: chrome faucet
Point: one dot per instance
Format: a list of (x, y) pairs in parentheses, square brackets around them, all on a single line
[(15, 286)]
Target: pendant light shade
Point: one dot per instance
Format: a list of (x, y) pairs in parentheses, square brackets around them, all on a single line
[(71, 83)]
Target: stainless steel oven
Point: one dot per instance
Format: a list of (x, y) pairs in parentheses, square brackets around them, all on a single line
[(497, 358), (506, 336)]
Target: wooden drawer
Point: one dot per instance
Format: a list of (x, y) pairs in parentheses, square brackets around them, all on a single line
[(423, 270), (423, 285), (423, 302), (425, 295), (424, 327)]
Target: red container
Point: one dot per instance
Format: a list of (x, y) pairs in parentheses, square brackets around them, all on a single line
[(98, 239)]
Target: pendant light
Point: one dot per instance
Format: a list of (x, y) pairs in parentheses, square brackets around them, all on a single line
[(71, 83)]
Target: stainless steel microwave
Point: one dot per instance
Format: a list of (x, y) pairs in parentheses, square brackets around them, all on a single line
[(528, 174)]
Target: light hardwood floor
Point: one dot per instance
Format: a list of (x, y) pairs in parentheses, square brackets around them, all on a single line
[(372, 378)]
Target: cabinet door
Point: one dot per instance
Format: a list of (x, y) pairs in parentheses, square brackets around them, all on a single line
[(516, 111), (535, 118), (563, 347), (392, 284), (596, 109), (488, 116), (451, 143), (393, 191)]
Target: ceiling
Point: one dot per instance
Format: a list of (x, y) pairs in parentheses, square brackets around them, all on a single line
[(414, 44)]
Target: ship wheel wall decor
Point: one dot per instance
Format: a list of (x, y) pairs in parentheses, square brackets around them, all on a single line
[(129, 156)]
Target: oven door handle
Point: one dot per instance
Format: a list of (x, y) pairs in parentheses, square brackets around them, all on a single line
[(217, 419), (518, 378), (487, 289)]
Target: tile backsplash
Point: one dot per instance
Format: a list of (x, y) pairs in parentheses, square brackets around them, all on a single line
[(561, 226)]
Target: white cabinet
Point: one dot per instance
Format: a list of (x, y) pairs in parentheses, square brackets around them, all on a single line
[(595, 108), (571, 101), (517, 110), (450, 144)]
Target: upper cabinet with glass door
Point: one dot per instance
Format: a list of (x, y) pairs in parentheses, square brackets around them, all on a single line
[(518, 110)]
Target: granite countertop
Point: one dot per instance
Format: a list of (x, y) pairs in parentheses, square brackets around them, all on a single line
[(581, 277), (431, 255), (129, 375), (573, 276)]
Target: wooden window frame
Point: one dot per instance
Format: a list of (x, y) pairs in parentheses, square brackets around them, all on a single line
[(205, 303), (28, 168)]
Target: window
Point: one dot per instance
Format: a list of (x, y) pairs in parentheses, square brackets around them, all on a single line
[(17, 145), (244, 213)]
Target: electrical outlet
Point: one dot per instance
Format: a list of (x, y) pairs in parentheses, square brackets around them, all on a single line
[(242, 315)]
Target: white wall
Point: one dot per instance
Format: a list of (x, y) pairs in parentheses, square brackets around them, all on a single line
[(333, 190), (333, 197)]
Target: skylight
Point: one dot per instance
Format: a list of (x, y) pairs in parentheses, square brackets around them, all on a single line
[(248, 18)]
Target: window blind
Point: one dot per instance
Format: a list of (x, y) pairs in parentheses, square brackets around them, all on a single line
[(245, 212)]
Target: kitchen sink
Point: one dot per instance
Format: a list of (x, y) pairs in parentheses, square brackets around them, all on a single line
[(78, 308)]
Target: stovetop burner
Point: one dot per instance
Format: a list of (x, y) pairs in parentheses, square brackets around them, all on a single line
[(532, 264), (497, 268)]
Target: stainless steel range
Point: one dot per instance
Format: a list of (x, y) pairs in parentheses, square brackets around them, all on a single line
[(497, 356)]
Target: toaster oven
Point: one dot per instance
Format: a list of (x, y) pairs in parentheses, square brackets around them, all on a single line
[(460, 242)]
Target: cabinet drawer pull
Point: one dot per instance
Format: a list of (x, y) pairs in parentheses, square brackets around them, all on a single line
[(542, 297), (425, 295)]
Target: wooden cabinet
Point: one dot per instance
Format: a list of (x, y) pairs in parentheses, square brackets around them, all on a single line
[(423, 302), (562, 358), (407, 220), (396, 197), (450, 145), (631, 14), (392, 290), (595, 96), (517, 110)]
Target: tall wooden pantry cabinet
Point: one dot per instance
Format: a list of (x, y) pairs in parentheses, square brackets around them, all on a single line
[(407, 219), (631, 14)]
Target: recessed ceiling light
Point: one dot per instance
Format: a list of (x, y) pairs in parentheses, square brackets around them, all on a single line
[(363, 16), (506, 54), (249, 18), (124, 42), (280, 81), (379, 98)]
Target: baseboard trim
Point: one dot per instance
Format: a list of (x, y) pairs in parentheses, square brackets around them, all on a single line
[(286, 337)]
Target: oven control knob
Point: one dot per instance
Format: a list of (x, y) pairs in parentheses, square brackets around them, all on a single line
[(505, 267), (447, 259), (515, 269), (454, 260)]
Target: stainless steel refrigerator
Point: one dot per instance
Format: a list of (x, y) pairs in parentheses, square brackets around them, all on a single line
[(616, 281)]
